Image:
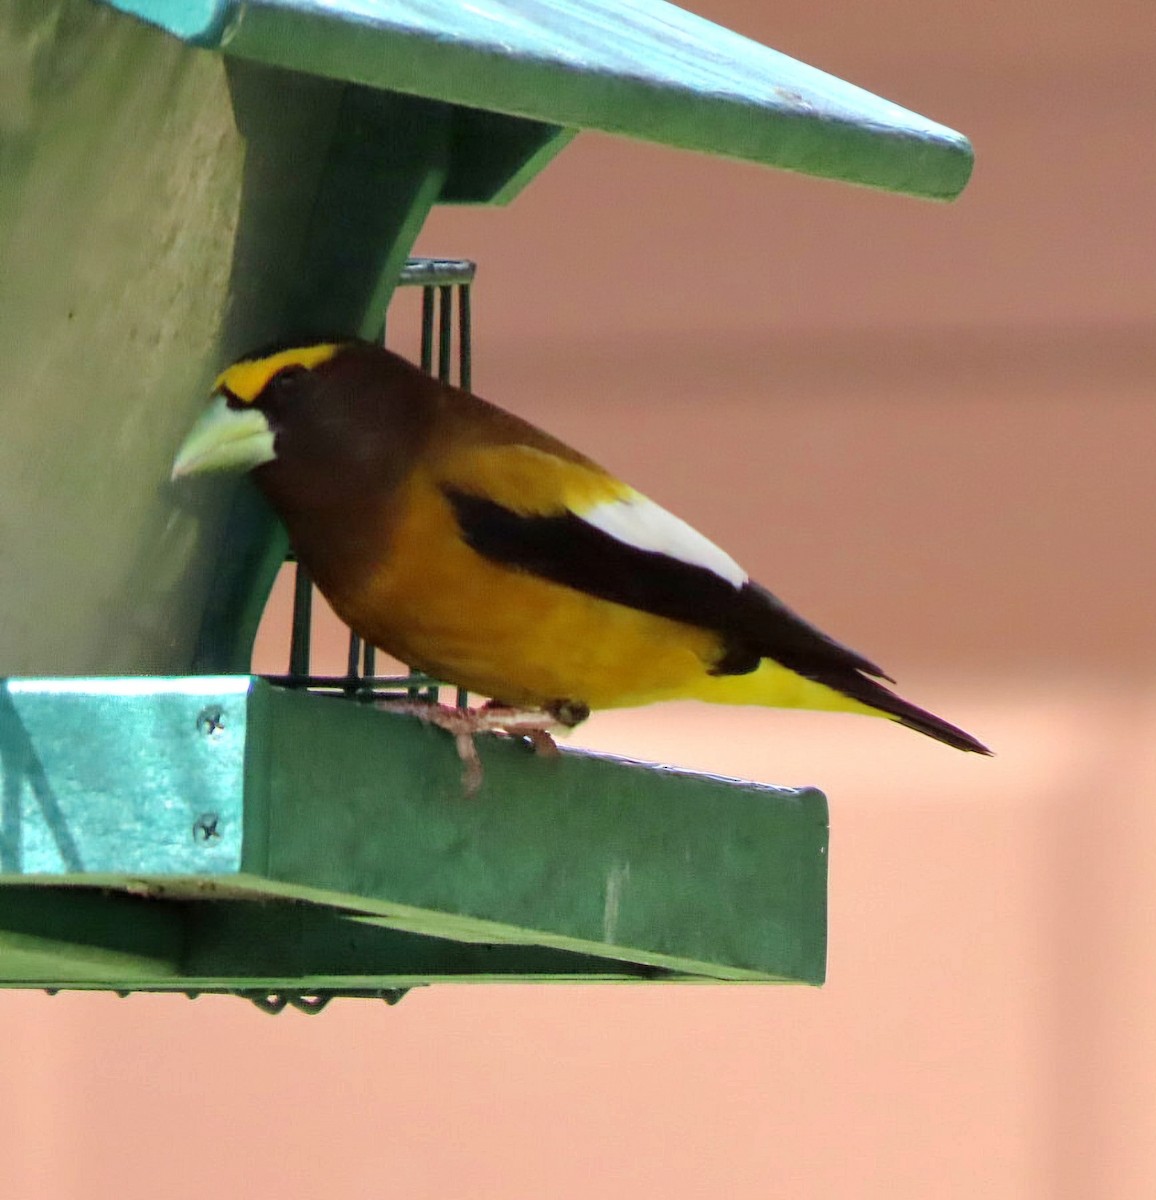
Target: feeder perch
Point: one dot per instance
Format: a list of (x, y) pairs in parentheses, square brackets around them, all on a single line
[(185, 180)]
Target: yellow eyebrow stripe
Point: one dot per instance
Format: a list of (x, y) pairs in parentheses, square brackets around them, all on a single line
[(247, 379)]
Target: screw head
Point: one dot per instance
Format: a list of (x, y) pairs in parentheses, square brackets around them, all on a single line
[(206, 827), (211, 721)]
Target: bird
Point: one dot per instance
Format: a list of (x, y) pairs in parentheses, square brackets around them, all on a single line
[(468, 543)]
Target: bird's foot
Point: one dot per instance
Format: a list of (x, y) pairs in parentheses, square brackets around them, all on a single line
[(538, 726)]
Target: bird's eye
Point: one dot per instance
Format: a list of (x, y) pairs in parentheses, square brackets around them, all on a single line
[(287, 378), (285, 386)]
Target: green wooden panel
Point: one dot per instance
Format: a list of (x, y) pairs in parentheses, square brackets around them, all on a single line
[(645, 68), (81, 937), (223, 788), (493, 156), (160, 214)]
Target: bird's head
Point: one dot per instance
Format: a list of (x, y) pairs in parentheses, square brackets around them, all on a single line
[(316, 423), (252, 404)]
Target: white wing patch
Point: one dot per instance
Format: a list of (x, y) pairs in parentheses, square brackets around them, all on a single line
[(641, 523)]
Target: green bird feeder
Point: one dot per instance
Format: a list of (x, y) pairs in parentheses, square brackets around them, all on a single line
[(183, 180)]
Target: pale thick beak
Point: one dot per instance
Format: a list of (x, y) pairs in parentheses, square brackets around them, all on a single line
[(225, 439)]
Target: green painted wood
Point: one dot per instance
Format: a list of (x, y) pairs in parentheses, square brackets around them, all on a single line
[(162, 211), (643, 68), (119, 218), (55, 937), (386, 166), (494, 156), (75, 937), (226, 788)]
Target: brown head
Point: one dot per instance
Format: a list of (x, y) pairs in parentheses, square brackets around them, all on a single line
[(317, 425)]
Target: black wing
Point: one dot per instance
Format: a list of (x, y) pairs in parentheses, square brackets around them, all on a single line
[(751, 623)]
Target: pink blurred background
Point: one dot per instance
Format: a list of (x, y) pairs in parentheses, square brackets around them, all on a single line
[(929, 428)]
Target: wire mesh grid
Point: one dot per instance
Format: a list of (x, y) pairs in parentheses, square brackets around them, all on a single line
[(445, 294)]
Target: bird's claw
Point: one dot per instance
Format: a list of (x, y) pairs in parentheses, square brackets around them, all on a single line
[(536, 725)]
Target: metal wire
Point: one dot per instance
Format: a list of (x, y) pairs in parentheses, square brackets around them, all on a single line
[(302, 635), (312, 1003), (442, 281), (274, 1001), (427, 272), (465, 347), (427, 329), (445, 331)]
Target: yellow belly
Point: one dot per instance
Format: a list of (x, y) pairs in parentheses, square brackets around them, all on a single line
[(523, 640), (440, 606)]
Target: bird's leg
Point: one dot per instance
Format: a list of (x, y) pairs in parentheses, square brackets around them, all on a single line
[(537, 725), (459, 722)]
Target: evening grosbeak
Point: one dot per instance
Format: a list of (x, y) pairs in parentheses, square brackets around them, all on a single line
[(464, 541)]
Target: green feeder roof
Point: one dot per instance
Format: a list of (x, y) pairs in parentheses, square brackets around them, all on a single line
[(642, 68)]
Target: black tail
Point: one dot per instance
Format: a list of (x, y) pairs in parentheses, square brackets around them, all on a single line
[(764, 626), (906, 713)]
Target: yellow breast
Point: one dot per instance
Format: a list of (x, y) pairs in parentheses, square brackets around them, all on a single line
[(439, 605)]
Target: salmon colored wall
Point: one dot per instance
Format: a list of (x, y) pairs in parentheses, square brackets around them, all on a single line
[(931, 429)]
